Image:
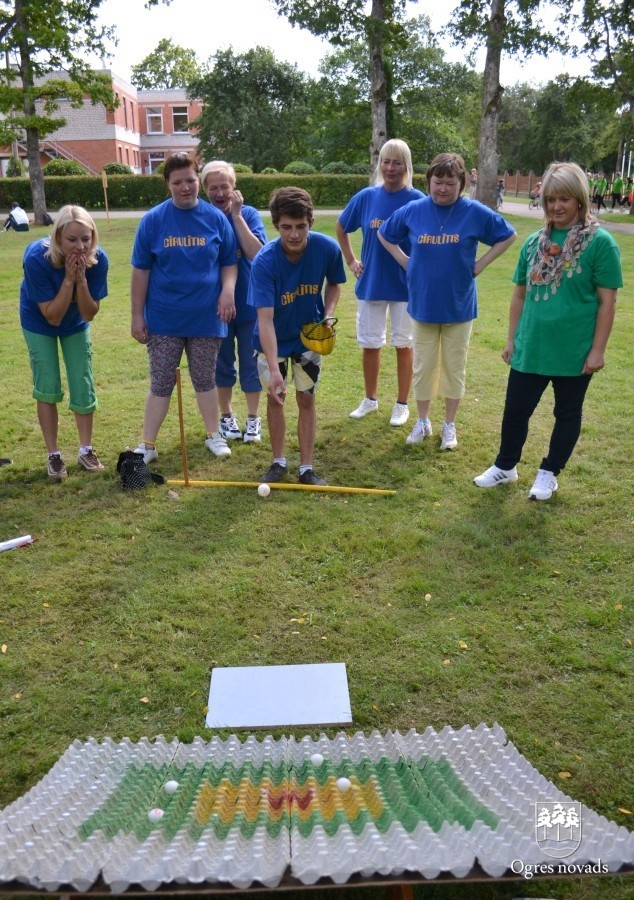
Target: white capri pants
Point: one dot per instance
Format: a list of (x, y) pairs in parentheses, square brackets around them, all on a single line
[(440, 360), (372, 324)]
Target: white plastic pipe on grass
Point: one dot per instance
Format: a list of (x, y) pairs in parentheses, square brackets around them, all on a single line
[(16, 542)]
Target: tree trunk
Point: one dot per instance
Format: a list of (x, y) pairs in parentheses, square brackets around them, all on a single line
[(488, 156), (378, 80), (36, 177)]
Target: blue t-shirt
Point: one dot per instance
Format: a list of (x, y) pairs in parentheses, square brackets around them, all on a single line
[(244, 312), (41, 284), (382, 278), (444, 239), (294, 289), (184, 249)]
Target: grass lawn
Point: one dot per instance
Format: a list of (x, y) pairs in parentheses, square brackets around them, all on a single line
[(448, 604)]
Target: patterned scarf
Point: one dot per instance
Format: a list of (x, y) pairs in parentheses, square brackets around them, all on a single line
[(551, 261)]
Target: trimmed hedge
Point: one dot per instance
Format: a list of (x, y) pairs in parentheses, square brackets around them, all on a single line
[(145, 191)]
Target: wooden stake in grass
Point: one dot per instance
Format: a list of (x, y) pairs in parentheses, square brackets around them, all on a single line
[(179, 396)]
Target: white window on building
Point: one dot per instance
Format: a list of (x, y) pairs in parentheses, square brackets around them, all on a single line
[(155, 160), (181, 118), (154, 120)]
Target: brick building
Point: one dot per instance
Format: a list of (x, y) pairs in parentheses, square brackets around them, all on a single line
[(142, 132)]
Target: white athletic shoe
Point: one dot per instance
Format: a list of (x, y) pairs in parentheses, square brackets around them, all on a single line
[(449, 439), (494, 476), (149, 453), (400, 414), (420, 431), (366, 406), (544, 486), (253, 430), (218, 446), (229, 428)]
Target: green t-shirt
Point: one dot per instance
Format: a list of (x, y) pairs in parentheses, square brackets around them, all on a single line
[(554, 335), (617, 185)]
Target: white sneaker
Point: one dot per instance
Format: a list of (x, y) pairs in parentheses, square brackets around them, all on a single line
[(229, 428), (494, 475), (400, 414), (253, 430), (149, 453), (544, 486), (218, 446), (449, 439), (366, 406), (420, 431)]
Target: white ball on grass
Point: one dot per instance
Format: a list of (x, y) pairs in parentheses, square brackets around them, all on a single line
[(264, 490)]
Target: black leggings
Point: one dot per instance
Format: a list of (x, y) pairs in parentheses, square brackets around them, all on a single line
[(523, 393)]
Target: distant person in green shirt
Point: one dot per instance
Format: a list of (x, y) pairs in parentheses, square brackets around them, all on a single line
[(600, 190), (617, 191), (561, 316)]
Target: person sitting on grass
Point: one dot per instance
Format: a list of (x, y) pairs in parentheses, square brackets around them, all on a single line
[(17, 219), (295, 280), (65, 278)]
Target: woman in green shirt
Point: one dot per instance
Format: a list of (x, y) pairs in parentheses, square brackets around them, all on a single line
[(561, 317)]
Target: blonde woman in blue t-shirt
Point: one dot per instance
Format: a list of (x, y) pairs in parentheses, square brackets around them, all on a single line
[(381, 287)]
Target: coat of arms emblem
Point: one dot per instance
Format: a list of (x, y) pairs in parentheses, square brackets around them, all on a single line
[(558, 827)]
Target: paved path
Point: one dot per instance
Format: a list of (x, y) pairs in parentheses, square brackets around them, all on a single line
[(612, 221)]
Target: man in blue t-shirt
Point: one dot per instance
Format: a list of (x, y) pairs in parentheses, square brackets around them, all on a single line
[(287, 280)]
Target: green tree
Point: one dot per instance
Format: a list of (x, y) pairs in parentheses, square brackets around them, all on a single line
[(168, 66), (609, 41), (39, 39), (573, 120), (254, 109), (345, 21), (515, 128), (435, 104), (511, 26)]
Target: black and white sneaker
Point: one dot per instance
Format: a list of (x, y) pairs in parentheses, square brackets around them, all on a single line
[(253, 430), (229, 428)]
